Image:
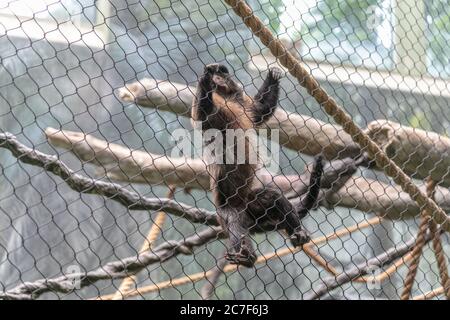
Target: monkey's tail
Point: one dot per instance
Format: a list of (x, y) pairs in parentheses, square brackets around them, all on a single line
[(309, 200)]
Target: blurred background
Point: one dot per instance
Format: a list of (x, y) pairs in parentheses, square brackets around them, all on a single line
[(62, 62)]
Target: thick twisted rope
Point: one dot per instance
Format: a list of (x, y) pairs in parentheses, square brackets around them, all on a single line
[(437, 247), (427, 223), (153, 234), (441, 260), (416, 254), (294, 67)]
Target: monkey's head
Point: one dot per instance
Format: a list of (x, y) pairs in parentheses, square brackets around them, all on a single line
[(220, 76)]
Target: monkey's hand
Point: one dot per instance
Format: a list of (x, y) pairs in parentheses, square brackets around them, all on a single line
[(205, 81), (275, 73), (299, 238)]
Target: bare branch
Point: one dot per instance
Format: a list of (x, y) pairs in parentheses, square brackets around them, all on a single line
[(113, 270), (297, 132), (341, 188), (82, 184), (113, 191), (362, 269), (420, 153), (122, 164)]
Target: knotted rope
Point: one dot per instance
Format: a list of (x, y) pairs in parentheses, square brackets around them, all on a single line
[(294, 67)]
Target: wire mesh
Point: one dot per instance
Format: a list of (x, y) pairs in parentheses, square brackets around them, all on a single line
[(97, 201)]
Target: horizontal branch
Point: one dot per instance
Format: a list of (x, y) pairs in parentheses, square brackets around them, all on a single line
[(113, 191), (113, 270), (122, 164), (360, 193), (420, 153), (298, 132), (364, 268)]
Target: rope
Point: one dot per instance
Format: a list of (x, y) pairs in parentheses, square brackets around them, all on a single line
[(426, 224), (294, 67), (429, 295), (441, 259), (438, 249), (416, 254), (153, 234)]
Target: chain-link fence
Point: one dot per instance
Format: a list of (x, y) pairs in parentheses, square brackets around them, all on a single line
[(104, 187)]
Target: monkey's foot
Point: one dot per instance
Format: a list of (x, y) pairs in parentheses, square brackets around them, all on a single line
[(299, 238), (244, 258), (276, 73)]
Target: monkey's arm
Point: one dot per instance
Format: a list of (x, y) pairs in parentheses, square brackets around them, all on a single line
[(310, 199), (266, 99), (203, 105)]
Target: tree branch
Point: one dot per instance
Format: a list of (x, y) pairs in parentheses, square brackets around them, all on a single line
[(420, 153), (113, 270), (364, 268), (82, 184), (122, 164), (340, 187), (113, 191), (298, 132)]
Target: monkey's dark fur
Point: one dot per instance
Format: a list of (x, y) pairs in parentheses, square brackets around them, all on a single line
[(221, 104)]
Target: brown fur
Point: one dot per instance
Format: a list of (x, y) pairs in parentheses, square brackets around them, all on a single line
[(221, 104)]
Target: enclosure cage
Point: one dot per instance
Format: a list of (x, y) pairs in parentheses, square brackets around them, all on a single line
[(99, 198)]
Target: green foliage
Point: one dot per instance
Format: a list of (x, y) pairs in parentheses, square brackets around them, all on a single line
[(272, 10), (420, 121), (344, 19), (439, 29)]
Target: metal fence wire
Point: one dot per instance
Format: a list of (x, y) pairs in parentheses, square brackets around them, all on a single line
[(105, 191)]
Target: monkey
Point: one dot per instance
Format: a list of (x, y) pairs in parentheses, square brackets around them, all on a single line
[(242, 205)]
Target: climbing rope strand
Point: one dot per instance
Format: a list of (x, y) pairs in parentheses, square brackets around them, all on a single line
[(437, 245), (416, 254), (294, 67), (430, 294), (441, 259), (426, 224)]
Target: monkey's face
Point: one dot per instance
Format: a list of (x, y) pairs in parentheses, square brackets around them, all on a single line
[(221, 77)]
